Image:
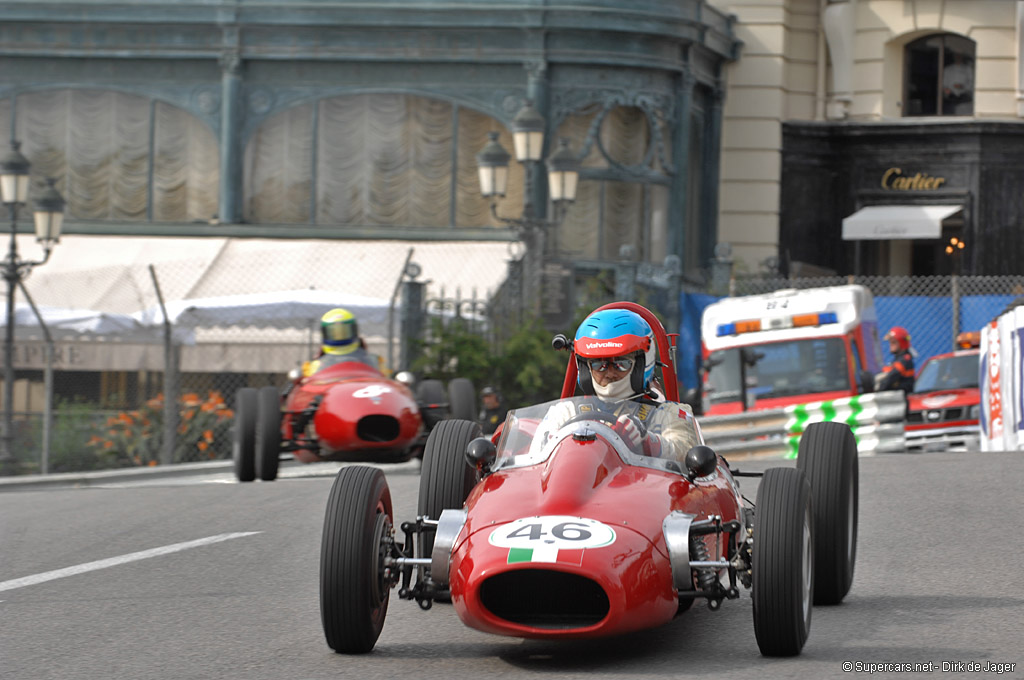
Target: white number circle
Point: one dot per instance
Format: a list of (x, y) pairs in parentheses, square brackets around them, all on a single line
[(371, 391), (557, 531)]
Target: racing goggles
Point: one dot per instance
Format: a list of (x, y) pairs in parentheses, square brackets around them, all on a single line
[(622, 364)]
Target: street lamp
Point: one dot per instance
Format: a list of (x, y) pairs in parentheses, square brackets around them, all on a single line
[(528, 139), (49, 218)]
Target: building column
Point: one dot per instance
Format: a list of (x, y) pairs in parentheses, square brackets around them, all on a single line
[(538, 90), (679, 198), (1020, 58), (712, 179), (839, 23), (230, 158)]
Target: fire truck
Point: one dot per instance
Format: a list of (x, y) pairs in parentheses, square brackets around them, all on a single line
[(788, 347)]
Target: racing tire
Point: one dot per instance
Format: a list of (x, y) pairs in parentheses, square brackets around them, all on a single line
[(782, 569), (243, 437), (445, 477), (828, 458), (354, 590), (462, 399), (433, 407), (268, 433)]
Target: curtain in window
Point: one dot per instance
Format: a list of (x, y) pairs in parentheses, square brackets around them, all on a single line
[(609, 214), (97, 144), (382, 159), (278, 168)]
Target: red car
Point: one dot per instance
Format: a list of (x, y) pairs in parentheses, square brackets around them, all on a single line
[(345, 412), (576, 536), (942, 412)]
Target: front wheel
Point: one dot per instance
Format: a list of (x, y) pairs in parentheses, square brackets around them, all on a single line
[(354, 588), (445, 477), (828, 458), (782, 562)]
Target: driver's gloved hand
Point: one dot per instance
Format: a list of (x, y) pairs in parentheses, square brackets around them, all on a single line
[(629, 428), (633, 433)]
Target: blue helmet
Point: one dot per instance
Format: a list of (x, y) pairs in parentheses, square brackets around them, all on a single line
[(611, 333)]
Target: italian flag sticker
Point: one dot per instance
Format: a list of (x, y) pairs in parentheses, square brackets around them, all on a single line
[(555, 538)]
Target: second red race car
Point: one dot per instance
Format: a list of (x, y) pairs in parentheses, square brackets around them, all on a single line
[(349, 411), (566, 531)]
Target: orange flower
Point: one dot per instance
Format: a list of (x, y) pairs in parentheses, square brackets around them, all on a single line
[(208, 435), (108, 444), (202, 446), (152, 463)]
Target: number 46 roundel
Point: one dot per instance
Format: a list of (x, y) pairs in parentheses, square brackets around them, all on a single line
[(540, 539)]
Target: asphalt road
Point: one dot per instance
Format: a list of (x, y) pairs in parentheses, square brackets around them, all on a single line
[(234, 591)]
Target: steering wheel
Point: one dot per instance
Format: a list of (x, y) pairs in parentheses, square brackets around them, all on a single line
[(609, 418), (592, 415)]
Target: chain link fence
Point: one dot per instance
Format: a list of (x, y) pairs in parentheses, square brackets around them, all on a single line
[(239, 313), (107, 382)]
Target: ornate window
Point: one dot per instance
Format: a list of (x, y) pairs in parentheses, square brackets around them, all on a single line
[(623, 192), (103, 146), (372, 159), (939, 77)]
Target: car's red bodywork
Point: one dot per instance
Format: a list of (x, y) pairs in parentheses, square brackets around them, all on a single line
[(359, 411), (584, 479)]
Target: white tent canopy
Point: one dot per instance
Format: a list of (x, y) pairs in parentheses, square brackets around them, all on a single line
[(63, 322), (278, 309)]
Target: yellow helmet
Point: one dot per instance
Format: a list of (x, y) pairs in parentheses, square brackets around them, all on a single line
[(339, 332)]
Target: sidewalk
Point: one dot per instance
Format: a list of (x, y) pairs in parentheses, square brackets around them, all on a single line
[(289, 469)]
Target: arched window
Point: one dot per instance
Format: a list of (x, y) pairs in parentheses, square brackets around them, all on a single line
[(939, 76), (104, 146), (379, 159)]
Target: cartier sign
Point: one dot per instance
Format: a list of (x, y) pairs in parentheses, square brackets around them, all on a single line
[(894, 179)]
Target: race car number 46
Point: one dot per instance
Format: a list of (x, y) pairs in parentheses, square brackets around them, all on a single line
[(552, 533)]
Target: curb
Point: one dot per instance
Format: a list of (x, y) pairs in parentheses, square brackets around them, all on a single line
[(216, 467)]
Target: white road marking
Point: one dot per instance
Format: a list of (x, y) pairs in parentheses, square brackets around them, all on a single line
[(114, 561)]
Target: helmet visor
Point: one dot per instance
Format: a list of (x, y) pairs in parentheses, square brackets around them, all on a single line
[(619, 363)]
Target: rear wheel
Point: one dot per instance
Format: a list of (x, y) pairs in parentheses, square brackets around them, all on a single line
[(462, 399), (354, 590), (782, 562), (433, 407), (445, 477), (268, 433), (828, 458), (243, 448)]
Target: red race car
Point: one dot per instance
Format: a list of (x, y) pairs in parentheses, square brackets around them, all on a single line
[(576, 536), (347, 411)]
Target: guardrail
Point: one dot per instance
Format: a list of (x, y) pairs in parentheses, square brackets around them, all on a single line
[(875, 419)]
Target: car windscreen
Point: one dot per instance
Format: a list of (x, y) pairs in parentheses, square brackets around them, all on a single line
[(781, 369), (530, 435), (948, 373)]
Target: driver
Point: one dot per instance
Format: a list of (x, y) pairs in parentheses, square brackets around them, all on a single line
[(340, 342), (615, 360)]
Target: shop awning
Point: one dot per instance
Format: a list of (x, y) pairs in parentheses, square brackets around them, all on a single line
[(885, 222)]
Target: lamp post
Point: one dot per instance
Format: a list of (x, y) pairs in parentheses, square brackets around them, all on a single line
[(49, 218), (528, 139)]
